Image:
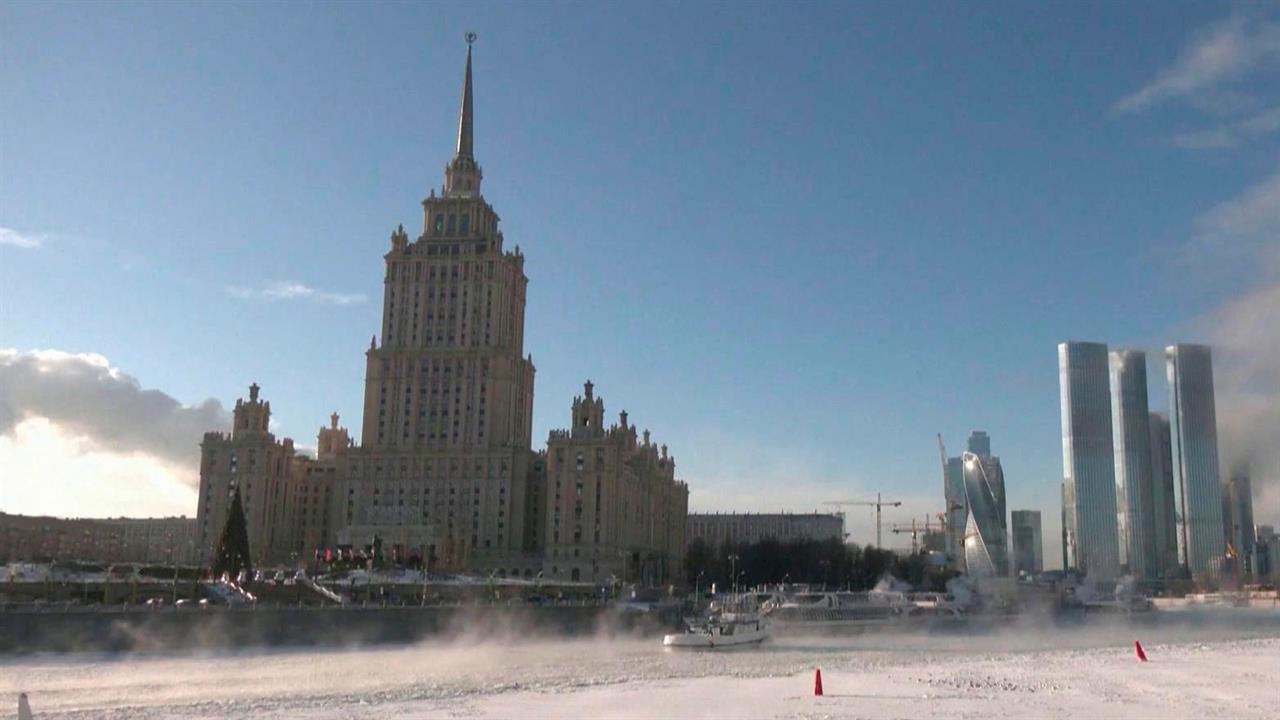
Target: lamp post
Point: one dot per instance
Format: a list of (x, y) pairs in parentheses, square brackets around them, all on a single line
[(733, 560), (697, 589)]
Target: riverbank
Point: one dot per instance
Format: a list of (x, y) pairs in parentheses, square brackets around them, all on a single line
[(143, 629), (1210, 665)]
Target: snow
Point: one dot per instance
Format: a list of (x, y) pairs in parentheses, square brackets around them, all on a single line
[(1203, 665)]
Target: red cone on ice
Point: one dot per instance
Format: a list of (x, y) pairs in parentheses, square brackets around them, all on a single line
[(817, 682), (1137, 651)]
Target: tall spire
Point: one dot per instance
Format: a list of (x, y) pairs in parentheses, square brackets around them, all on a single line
[(462, 175), (464, 113)]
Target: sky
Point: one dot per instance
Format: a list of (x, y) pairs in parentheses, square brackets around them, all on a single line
[(796, 241)]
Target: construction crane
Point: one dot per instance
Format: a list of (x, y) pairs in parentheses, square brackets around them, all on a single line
[(916, 530), (878, 504)]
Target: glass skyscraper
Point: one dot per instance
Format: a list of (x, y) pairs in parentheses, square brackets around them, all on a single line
[(1193, 426), (1164, 520), (986, 532), (1130, 422), (957, 512), (980, 443), (1240, 530), (1090, 534), (1028, 544)]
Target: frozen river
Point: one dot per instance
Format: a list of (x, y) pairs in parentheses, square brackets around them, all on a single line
[(1203, 664)]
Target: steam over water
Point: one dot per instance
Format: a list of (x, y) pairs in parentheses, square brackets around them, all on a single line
[(492, 678)]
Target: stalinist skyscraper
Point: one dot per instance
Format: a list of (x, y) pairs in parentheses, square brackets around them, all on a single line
[(448, 390), (445, 471)]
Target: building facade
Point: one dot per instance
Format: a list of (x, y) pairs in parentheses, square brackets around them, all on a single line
[(161, 541), (1028, 543), (1193, 431), (717, 529), (445, 472), (1090, 535), (248, 457), (1164, 519), (613, 505), (1135, 495)]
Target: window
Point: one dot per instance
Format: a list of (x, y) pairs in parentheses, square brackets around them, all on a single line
[(439, 227), (453, 224), (464, 225)]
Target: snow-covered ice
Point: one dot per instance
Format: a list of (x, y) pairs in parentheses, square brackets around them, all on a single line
[(1201, 666)]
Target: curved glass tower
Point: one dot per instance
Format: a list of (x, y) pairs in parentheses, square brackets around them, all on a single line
[(986, 533)]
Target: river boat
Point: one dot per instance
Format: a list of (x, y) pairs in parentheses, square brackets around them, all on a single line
[(721, 631)]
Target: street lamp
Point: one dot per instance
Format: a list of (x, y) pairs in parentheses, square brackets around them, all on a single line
[(697, 589), (733, 559)]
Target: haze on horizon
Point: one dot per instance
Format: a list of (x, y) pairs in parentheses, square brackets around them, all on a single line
[(794, 242)]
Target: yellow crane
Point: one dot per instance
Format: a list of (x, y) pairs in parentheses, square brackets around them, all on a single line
[(878, 504)]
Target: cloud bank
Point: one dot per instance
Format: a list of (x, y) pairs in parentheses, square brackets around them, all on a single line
[(295, 291), (79, 437)]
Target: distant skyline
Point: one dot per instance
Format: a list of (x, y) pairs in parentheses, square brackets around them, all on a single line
[(794, 241)]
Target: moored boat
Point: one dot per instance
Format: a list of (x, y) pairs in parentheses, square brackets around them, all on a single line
[(724, 630)]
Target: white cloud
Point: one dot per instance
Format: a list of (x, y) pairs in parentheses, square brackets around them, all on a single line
[(49, 470), (1231, 134), (85, 397), (1222, 54), (81, 438), (26, 241), (1242, 231), (295, 291), (1245, 335)]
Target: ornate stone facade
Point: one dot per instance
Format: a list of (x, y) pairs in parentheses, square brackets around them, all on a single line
[(445, 469), (614, 508)]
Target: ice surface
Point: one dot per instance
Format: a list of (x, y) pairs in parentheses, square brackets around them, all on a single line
[(1202, 665)]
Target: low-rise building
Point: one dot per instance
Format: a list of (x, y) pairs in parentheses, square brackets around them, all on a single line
[(716, 529), (104, 540)]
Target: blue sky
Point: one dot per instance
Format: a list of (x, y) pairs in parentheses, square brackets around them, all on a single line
[(795, 240)]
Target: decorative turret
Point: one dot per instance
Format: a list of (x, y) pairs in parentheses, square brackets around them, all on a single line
[(588, 413), (252, 416), (333, 440), (399, 239)]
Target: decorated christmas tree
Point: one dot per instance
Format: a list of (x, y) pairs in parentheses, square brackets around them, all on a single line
[(232, 554)]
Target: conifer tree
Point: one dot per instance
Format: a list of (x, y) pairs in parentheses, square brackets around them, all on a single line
[(233, 547)]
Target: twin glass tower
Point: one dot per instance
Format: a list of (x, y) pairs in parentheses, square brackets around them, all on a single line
[(1141, 494)]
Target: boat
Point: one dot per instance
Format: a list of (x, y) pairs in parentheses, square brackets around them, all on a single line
[(838, 608), (718, 631)]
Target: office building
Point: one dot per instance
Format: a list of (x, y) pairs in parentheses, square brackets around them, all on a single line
[(1028, 542), (1090, 533), (1240, 532), (1135, 494), (1164, 520), (1193, 430)]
